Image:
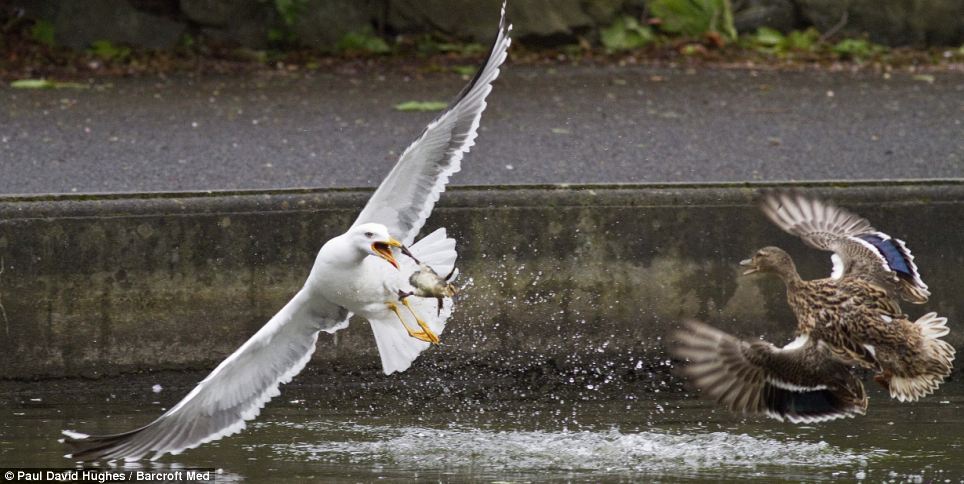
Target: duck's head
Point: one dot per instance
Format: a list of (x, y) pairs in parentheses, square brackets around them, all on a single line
[(768, 259), (373, 239)]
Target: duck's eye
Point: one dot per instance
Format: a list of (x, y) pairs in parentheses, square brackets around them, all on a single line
[(369, 234)]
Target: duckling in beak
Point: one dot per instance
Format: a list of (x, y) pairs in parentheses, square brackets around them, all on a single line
[(428, 283)]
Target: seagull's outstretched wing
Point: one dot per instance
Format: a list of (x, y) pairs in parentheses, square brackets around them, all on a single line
[(801, 382), (406, 197), (859, 249), (234, 392)]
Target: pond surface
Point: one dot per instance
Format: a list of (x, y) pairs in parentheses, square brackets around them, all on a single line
[(670, 437)]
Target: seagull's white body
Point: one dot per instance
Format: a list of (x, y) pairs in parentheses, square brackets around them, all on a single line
[(367, 283), (349, 276)]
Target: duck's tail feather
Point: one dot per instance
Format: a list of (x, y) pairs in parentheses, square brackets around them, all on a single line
[(937, 362)]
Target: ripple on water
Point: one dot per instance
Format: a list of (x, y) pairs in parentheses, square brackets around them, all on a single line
[(590, 451)]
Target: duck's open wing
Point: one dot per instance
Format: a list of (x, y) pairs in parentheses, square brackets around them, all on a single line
[(858, 248), (406, 197), (233, 393), (801, 382)]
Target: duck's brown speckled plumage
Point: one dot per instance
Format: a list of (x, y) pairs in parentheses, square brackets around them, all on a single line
[(861, 322), (852, 318)]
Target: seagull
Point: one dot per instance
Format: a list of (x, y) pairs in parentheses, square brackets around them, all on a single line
[(354, 273)]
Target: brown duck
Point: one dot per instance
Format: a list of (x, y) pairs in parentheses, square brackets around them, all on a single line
[(851, 318)]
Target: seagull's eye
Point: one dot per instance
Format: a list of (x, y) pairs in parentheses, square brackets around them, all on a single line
[(369, 234)]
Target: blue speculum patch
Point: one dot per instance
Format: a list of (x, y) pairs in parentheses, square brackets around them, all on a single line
[(891, 251)]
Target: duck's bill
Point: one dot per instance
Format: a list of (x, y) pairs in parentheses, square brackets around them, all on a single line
[(751, 268), (384, 250)]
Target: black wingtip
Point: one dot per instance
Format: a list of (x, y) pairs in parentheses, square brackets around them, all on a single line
[(811, 406), (503, 33), (90, 448)]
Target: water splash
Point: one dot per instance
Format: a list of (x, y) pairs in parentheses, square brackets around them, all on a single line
[(580, 452)]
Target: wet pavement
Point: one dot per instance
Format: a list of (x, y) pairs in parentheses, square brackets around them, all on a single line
[(562, 124)]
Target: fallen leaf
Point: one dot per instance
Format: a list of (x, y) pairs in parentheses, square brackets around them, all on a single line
[(45, 84), (421, 106)]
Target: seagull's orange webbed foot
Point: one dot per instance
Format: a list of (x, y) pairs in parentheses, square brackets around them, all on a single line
[(425, 335), (426, 330)]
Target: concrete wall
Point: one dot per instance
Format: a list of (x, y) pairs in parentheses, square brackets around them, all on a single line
[(559, 275)]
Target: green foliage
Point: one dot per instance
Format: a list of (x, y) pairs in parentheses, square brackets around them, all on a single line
[(280, 37), (803, 39), (421, 106), (290, 10), (430, 45), (858, 49), (107, 51), (695, 17), (43, 32), (692, 49), (767, 37), (773, 41), (468, 48), (364, 42), (626, 34), (187, 42), (46, 84), (465, 70)]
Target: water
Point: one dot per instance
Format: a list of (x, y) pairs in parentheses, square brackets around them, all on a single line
[(670, 437)]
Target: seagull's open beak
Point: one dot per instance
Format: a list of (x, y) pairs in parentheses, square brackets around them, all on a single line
[(384, 250), (752, 268)]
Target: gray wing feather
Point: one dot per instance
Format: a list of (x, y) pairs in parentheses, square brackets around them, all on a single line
[(232, 394), (801, 382), (406, 197), (826, 227)]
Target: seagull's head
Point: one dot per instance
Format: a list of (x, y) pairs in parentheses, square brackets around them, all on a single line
[(768, 259), (374, 239)]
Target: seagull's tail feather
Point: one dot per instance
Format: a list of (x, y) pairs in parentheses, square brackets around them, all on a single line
[(437, 250), (397, 349)]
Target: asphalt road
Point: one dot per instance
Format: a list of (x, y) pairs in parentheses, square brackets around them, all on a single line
[(543, 125)]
